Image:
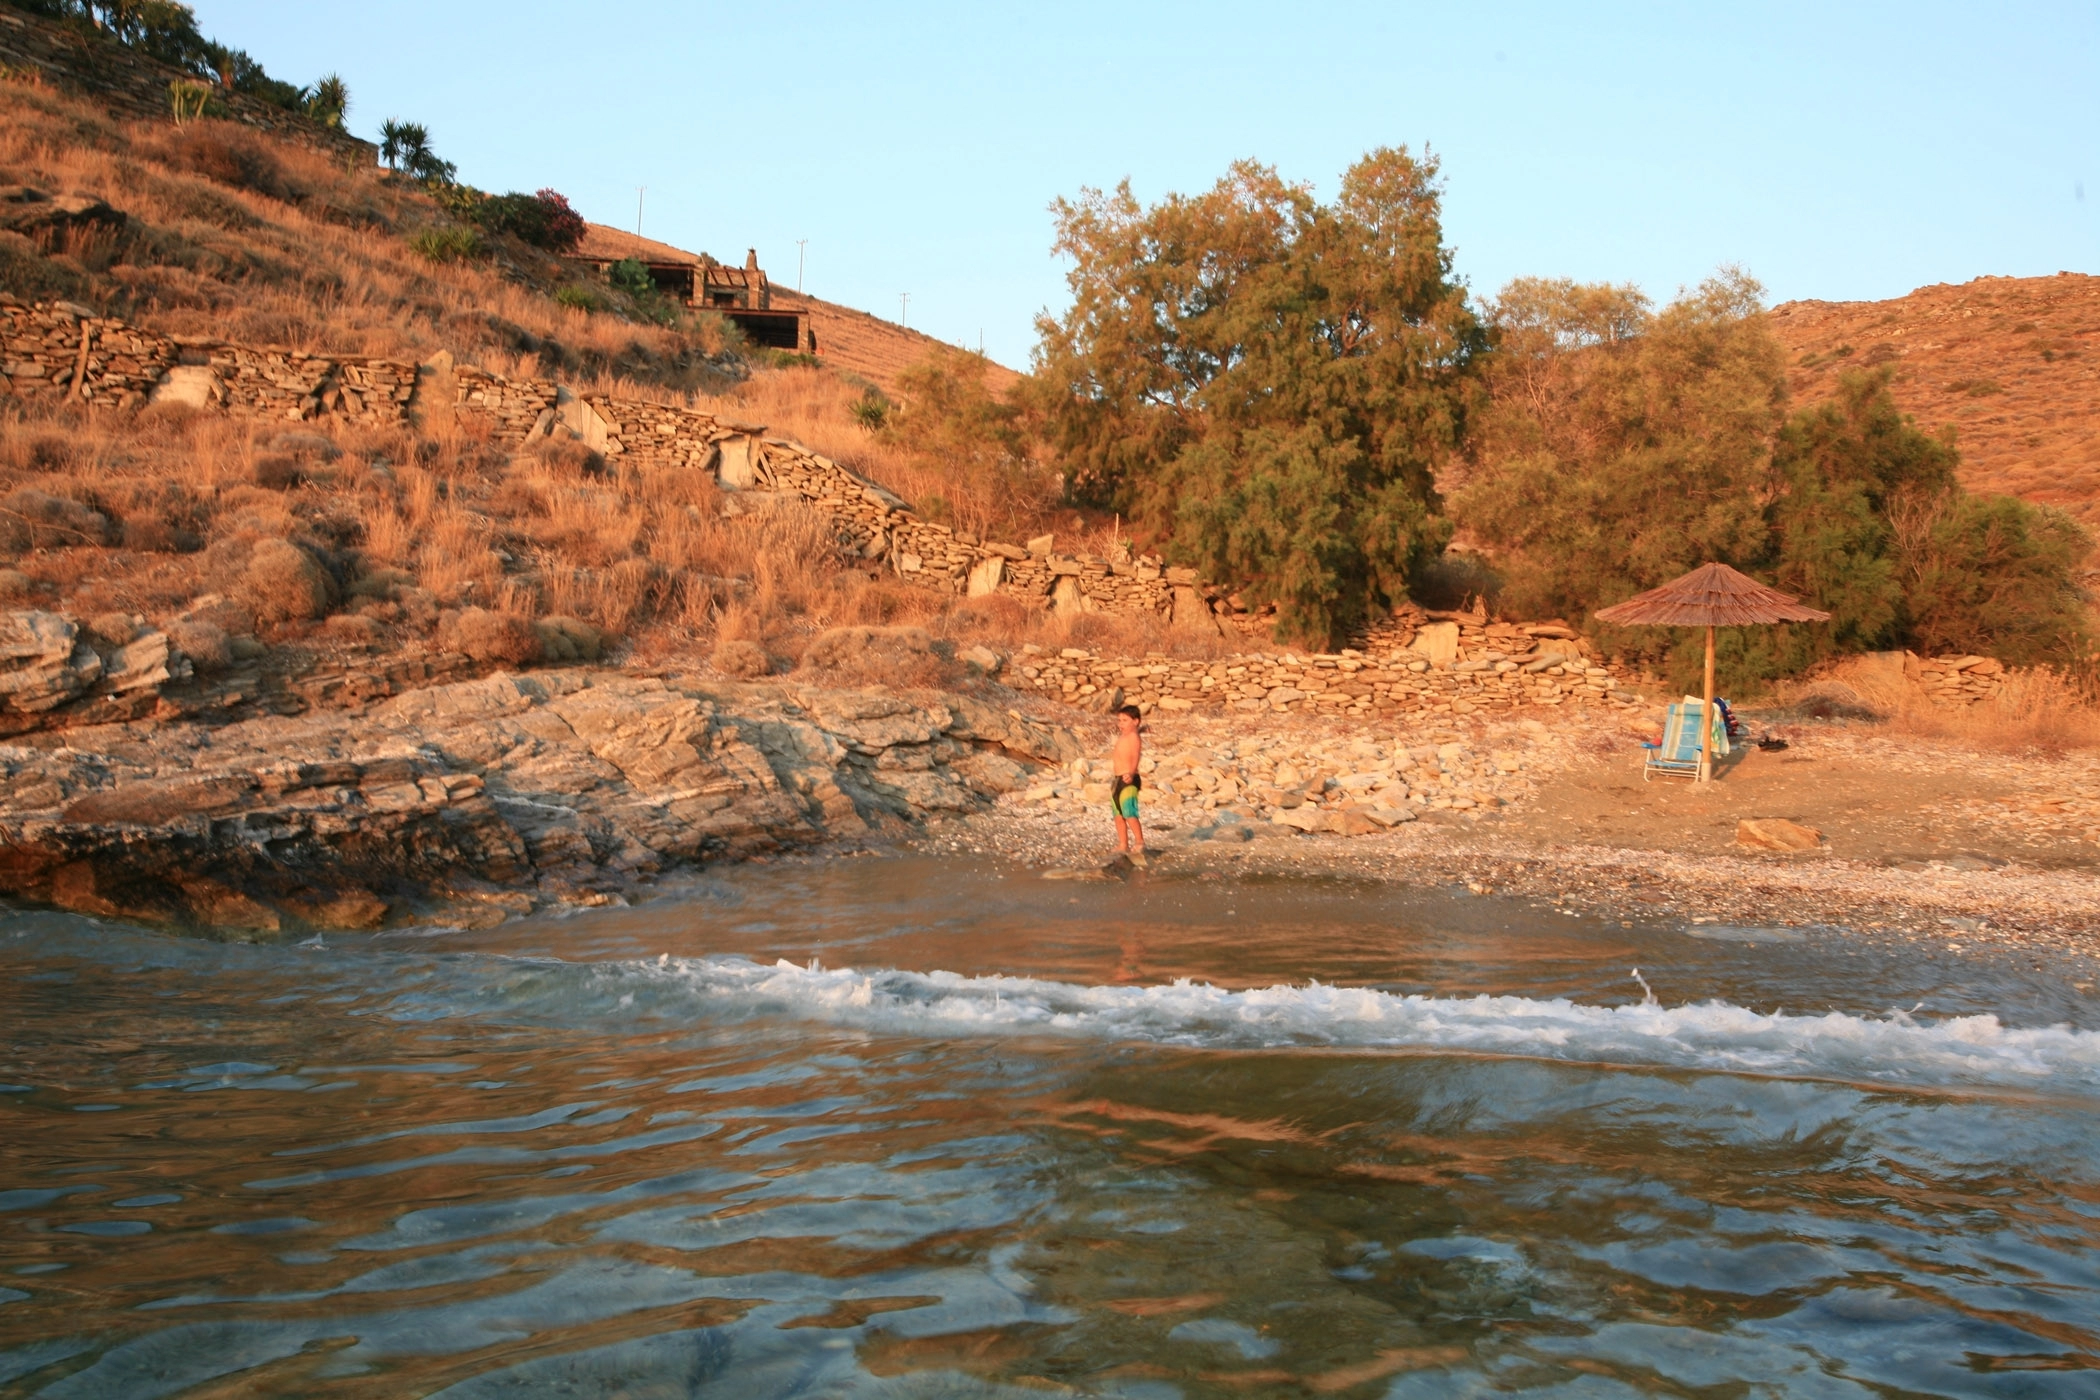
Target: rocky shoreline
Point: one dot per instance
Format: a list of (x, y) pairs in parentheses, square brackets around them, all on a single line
[(475, 801), (469, 802)]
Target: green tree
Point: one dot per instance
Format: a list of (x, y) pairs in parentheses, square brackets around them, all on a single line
[(1993, 576), (1624, 447), (405, 146), (1266, 383)]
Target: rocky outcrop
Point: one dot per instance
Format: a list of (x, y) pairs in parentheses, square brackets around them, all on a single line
[(472, 801)]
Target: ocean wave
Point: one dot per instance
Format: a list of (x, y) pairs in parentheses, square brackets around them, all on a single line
[(1894, 1048)]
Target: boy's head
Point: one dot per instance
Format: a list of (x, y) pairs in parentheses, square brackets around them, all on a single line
[(1128, 718)]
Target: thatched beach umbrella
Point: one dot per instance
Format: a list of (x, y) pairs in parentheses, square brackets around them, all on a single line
[(1710, 596)]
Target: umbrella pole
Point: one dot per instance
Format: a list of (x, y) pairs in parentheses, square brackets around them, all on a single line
[(1706, 716)]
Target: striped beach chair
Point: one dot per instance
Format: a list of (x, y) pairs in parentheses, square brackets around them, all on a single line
[(1677, 756)]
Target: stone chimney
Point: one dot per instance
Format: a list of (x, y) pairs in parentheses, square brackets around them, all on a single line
[(754, 283)]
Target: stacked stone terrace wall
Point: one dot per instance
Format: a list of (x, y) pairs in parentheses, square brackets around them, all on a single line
[(1955, 680), (1427, 666), (132, 85), (41, 354), (65, 350)]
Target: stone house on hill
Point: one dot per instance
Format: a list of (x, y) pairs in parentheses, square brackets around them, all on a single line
[(743, 295)]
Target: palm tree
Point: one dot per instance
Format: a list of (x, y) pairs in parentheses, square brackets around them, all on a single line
[(403, 145), (329, 102)]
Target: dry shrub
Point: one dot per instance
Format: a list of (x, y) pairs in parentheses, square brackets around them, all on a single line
[(885, 656), (2037, 710), (32, 519), (116, 628), (204, 643), (736, 657), (284, 583), (353, 630), (504, 638), (569, 639), (278, 472), (223, 152)]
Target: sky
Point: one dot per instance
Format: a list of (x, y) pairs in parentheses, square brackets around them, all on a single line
[(1834, 150)]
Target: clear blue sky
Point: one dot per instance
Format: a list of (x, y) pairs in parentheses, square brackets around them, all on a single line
[(1839, 150)]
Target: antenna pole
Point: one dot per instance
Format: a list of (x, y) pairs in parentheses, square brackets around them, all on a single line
[(639, 191), (801, 253), (903, 306)]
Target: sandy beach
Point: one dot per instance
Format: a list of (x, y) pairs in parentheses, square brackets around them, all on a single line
[(1918, 838)]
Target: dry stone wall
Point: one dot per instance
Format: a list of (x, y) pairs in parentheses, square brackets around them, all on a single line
[(59, 348), (65, 350), (1955, 680), (1434, 667)]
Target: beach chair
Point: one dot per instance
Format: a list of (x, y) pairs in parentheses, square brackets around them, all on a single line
[(1677, 756)]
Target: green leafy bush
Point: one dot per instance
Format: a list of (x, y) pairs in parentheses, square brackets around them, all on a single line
[(544, 220), (871, 410), (580, 297), (631, 275)]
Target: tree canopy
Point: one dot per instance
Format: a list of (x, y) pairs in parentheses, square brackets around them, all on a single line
[(1625, 446), (1267, 384)]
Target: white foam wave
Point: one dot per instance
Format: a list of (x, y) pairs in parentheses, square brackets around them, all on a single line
[(1713, 1035)]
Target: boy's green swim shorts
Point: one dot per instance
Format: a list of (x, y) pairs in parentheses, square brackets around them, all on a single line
[(1123, 796)]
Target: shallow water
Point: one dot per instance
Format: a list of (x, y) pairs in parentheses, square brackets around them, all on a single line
[(912, 1127)]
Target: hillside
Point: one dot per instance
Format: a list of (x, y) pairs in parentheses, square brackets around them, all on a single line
[(2012, 364), (876, 350), (287, 236)]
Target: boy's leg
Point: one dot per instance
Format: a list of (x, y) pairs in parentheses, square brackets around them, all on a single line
[(1122, 834)]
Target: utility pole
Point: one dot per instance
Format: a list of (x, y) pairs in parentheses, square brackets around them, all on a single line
[(639, 191), (801, 253), (903, 305)]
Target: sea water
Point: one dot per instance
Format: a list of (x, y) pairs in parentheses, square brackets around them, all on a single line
[(913, 1127)]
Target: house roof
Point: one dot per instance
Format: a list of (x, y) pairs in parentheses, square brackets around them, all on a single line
[(604, 244)]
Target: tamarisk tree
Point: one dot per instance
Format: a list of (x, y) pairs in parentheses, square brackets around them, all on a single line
[(1266, 384)]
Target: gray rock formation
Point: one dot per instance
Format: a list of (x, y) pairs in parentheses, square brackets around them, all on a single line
[(472, 801)]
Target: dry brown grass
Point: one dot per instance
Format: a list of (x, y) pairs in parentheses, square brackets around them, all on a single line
[(240, 238), (236, 236), (815, 408), (2036, 711)]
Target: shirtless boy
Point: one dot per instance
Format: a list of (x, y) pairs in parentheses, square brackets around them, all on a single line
[(1124, 783)]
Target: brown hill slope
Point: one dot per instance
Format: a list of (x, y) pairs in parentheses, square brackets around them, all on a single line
[(869, 346), (2012, 364), (220, 229)]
